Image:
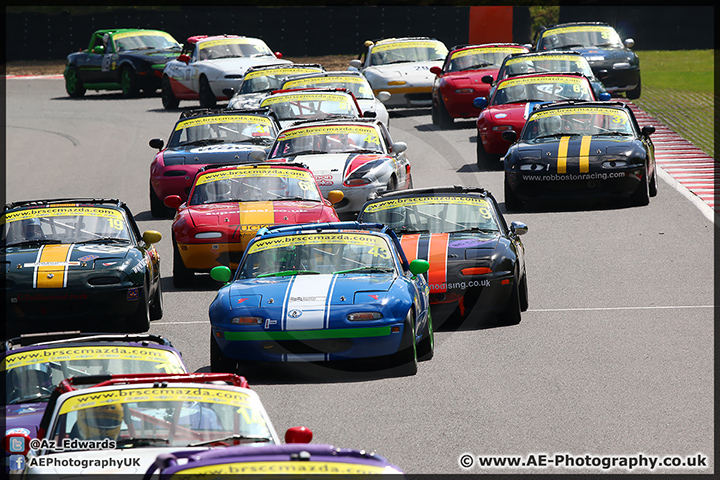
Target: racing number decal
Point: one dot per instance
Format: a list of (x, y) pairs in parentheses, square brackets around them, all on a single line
[(116, 223), (304, 185), (379, 252), (106, 63), (252, 417), (485, 212)]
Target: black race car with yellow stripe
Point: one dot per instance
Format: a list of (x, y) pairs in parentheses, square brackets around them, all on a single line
[(477, 261), (76, 263), (580, 149)]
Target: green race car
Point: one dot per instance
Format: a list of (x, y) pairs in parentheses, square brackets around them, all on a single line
[(78, 264)]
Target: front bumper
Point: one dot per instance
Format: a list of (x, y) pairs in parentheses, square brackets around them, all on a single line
[(617, 183), (415, 96), (205, 256)]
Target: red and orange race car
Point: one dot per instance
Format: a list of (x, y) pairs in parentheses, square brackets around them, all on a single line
[(227, 205), (460, 80)]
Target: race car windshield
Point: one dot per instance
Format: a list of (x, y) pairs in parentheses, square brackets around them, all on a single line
[(318, 254), (547, 65), (517, 91), (31, 375), (477, 58), (230, 48), (171, 416), (433, 215), (145, 41), (244, 129), (255, 188), (574, 37), (66, 224), (413, 51), (327, 140), (549, 125)]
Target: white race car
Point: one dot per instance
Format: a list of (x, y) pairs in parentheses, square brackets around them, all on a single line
[(207, 65), (356, 156), (401, 66), (352, 81)]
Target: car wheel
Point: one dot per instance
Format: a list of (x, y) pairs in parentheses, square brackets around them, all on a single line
[(524, 294), (218, 361), (392, 184), (169, 100), (207, 98), (182, 276), (512, 202), (641, 196), (156, 305), (406, 359), (157, 207), (445, 121), (129, 82), (481, 156), (653, 187), (73, 84), (426, 347), (634, 94), (434, 115), (512, 315), (139, 321)]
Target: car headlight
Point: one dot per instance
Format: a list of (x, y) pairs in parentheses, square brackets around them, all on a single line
[(364, 316), (532, 167), (464, 90), (247, 320), (208, 235), (614, 164)]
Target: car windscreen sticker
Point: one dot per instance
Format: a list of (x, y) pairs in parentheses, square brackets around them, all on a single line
[(194, 122), (546, 58), (166, 360), (318, 239), (245, 172), (409, 202), (414, 44), (280, 72), (302, 82), (605, 31), (155, 33), (618, 116), (284, 467), (481, 50), (306, 97), (368, 131), (512, 82), (60, 212), (227, 41), (155, 394)]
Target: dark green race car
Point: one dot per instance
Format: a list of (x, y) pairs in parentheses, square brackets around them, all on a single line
[(78, 264), (120, 59)]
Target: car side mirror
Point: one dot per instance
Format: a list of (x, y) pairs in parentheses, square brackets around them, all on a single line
[(419, 266), (228, 92), (604, 96), (298, 434), (480, 102), (278, 54), (151, 236), (384, 96), (185, 58), (629, 42), (99, 49), (356, 64), (436, 70), (369, 114), (173, 201), (335, 196), (399, 147), (258, 155), (158, 143), (648, 130), (509, 135), (221, 274), (518, 228), (487, 79)]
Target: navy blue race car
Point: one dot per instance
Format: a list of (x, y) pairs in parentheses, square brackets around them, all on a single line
[(580, 149), (477, 262), (126, 59), (322, 292), (610, 57)]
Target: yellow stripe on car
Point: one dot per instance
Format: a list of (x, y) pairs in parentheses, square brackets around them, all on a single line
[(584, 154), (562, 155)]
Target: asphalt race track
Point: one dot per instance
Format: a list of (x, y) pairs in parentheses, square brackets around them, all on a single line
[(613, 358)]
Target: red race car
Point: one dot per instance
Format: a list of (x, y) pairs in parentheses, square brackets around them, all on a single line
[(512, 101), (459, 80), (228, 205)]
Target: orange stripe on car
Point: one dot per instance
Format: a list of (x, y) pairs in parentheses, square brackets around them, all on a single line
[(409, 245), (437, 275), (54, 274), (254, 216)]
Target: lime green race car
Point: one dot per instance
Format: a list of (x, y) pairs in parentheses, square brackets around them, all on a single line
[(120, 59)]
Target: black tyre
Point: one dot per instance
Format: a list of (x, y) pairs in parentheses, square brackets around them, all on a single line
[(641, 196), (182, 276), (426, 347), (129, 82), (158, 208), (207, 97), (445, 121), (73, 84), (481, 156), (156, 305), (512, 315), (169, 100), (139, 321), (218, 361), (653, 187), (406, 359), (392, 184), (434, 115), (634, 94), (524, 304), (512, 202)]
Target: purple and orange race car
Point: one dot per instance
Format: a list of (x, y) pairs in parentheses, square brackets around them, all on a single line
[(460, 79), (513, 100)]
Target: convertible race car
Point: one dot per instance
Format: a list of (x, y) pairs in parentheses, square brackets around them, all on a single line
[(296, 105), (120, 59), (514, 99), (477, 262), (401, 66), (204, 137), (227, 205), (294, 460), (323, 292), (259, 82), (208, 65), (32, 366), (610, 58), (354, 82), (131, 419), (459, 80), (69, 262), (580, 149), (356, 156)]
